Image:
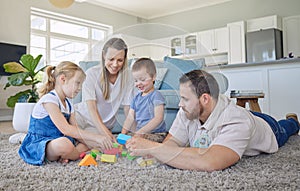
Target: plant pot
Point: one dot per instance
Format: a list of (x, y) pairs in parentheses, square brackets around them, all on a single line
[(21, 116)]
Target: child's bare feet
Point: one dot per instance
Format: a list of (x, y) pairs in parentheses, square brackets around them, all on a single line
[(63, 161)]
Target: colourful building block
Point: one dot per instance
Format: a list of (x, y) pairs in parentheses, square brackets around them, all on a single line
[(87, 161), (112, 151), (95, 153), (82, 155), (143, 162), (124, 153), (108, 158), (122, 138), (115, 145), (129, 157)]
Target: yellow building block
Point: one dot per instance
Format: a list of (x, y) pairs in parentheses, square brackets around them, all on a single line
[(87, 161), (108, 158), (143, 162)]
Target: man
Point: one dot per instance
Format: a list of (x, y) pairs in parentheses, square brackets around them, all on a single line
[(210, 132)]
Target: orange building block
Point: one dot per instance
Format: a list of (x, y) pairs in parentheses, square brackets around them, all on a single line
[(87, 161)]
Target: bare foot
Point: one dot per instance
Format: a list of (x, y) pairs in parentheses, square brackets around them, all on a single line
[(63, 161)]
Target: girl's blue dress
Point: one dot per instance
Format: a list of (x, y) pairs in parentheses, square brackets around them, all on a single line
[(40, 132)]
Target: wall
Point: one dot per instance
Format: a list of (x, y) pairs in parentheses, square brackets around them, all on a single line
[(235, 10), (15, 19), (15, 24)]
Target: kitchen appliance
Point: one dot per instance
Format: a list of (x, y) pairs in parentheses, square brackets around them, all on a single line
[(264, 45)]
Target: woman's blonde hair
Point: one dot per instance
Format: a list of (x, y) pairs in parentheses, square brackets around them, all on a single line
[(52, 72), (118, 44)]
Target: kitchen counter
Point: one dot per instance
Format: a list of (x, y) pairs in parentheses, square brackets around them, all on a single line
[(281, 61), (278, 80)]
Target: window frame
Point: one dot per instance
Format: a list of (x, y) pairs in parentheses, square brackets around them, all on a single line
[(68, 19)]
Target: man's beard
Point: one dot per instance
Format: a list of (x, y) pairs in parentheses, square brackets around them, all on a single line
[(195, 114)]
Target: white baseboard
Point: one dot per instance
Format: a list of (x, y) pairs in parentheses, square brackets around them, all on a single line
[(6, 114)]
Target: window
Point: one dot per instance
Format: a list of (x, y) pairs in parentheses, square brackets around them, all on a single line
[(59, 37)]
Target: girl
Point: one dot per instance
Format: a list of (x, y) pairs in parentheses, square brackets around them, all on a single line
[(52, 130), (106, 88)]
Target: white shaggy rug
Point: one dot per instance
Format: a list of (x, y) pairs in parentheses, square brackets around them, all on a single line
[(279, 171)]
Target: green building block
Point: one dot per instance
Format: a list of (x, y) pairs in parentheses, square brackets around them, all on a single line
[(124, 153), (130, 157)]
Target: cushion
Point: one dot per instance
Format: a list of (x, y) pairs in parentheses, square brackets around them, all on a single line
[(160, 75), (176, 68)]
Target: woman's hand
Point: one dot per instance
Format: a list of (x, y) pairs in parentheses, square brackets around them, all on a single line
[(102, 142)]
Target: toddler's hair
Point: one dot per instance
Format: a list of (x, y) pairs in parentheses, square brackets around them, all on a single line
[(145, 63), (51, 72)]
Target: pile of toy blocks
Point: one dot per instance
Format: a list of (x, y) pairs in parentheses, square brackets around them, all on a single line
[(111, 155)]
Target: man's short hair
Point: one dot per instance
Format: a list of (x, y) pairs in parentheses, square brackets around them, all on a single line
[(201, 82)]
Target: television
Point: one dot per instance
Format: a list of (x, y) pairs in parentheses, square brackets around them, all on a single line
[(10, 53)]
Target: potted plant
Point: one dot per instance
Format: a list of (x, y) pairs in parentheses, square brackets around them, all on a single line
[(23, 74)]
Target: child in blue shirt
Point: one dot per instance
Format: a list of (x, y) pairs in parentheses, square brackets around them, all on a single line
[(146, 114)]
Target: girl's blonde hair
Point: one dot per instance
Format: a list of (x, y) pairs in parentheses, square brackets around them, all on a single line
[(119, 44), (52, 72)]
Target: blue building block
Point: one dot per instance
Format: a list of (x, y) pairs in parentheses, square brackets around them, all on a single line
[(122, 138)]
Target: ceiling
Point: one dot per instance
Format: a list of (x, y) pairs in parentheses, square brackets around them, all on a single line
[(150, 9)]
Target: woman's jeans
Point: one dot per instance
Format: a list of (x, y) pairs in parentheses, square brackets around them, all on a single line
[(282, 129)]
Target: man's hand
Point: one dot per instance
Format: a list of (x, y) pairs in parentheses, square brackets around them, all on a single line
[(138, 146)]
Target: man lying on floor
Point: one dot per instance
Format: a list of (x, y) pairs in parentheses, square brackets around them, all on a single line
[(210, 132)]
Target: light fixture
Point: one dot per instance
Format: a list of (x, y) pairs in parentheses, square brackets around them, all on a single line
[(61, 3)]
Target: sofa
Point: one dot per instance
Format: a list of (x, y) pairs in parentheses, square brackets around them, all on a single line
[(167, 82)]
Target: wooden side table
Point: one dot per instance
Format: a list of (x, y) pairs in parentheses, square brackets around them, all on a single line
[(242, 99)]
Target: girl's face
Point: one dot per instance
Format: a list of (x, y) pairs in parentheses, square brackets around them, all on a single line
[(114, 60), (72, 86), (143, 81)]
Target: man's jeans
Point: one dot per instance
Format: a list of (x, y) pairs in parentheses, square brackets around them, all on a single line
[(282, 129)]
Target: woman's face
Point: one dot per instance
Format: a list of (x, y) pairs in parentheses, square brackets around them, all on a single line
[(114, 60)]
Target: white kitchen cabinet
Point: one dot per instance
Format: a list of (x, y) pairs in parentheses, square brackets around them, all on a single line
[(184, 45), (263, 23), (237, 46), (177, 46), (190, 44), (213, 41), (291, 35)]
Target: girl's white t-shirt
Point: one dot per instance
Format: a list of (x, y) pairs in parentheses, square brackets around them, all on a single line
[(39, 111)]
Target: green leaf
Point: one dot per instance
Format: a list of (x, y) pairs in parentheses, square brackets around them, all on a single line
[(17, 79), (12, 100), (36, 61), (13, 67), (27, 61)]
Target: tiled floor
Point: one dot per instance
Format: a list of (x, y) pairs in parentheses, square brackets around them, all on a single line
[(6, 127)]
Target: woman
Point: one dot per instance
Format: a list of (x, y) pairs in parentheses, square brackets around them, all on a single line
[(107, 87)]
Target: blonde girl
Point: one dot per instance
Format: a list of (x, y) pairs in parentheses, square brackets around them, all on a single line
[(53, 134)]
